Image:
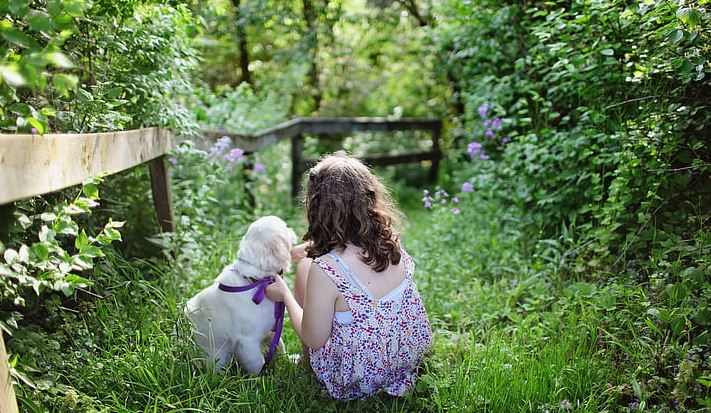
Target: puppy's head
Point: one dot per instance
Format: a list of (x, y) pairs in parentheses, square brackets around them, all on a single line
[(267, 245)]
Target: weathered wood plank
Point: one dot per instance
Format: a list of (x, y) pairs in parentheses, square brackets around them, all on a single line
[(162, 195), (34, 165), (434, 170), (386, 160), (297, 166), (343, 125), (8, 403)]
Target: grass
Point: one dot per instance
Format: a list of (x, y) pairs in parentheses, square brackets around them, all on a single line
[(509, 334)]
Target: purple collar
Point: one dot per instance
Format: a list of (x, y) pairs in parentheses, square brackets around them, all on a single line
[(257, 298)]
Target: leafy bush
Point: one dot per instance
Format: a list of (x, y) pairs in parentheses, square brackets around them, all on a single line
[(74, 66), (54, 256), (603, 156)]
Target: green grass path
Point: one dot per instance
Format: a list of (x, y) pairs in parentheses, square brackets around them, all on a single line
[(503, 341)]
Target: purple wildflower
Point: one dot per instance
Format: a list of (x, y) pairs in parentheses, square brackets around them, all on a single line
[(260, 168), (234, 156), (455, 200), (496, 123), (220, 147), (474, 149), (179, 102), (489, 134), (427, 201), (486, 123), (467, 187), (444, 202), (506, 140), (483, 110), (455, 210), (173, 160), (634, 405), (34, 131)]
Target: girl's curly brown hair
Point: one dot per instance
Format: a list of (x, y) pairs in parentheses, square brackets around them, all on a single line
[(346, 202)]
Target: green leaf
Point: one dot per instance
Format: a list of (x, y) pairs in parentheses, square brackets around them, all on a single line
[(38, 21), (19, 7), (91, 251), (607, 52), (59, 59), (90, 190), (74, 7), (64, 83), (65, 225), (84, 262), (11, 75), (78, 281), (40, 251), (688, 16), (676, 35), (19, 38), (81, 241), (37, 124)]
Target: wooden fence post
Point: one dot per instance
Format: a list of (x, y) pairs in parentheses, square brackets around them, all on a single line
[(296, 168), (434, 170), (8, 403), (162, 196)]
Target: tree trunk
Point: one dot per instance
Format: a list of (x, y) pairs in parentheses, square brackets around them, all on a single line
[(242, 43), (311, 25)]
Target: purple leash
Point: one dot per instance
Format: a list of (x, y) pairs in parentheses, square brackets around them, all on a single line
[(257, 298)]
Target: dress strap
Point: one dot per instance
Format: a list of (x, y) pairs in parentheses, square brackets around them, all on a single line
[(340, 276)]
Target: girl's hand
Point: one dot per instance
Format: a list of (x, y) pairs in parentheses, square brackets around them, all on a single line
[(278, 290), (299, 252)]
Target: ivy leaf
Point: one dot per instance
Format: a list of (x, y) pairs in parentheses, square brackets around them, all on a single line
[(81, 241)]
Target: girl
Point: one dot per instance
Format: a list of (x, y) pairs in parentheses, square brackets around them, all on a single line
[(357, 308)]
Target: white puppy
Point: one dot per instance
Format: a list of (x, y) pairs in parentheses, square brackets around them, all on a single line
[(230, 324)]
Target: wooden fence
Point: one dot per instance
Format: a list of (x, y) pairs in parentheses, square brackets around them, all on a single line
[(32, 165), (295, 128)]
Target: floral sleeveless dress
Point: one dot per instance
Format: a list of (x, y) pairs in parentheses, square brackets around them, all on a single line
[(379, 344)]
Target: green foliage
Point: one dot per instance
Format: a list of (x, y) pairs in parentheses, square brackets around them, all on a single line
[(57, 252), (71, 66), (34, 61)]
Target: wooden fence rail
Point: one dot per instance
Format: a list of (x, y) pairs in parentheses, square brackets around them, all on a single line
[(33, 165), (295, 128)]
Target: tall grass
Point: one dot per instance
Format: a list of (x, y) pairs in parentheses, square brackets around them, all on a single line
[(509, 335)]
